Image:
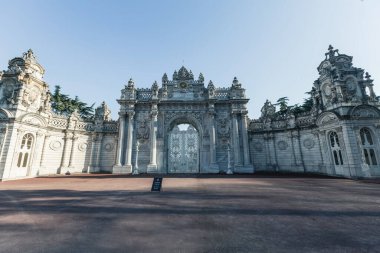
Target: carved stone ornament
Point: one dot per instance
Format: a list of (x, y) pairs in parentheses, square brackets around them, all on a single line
[(327, 119), (143, 129), (109, 146), (282, 145), (82, 146), (224, 127), (55, 145), (258, 146), (103, 112), (268, 109), (30, 96), (364, 112), (8, 92), (308, 143)]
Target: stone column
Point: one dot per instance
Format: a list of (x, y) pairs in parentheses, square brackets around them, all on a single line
[(236, 143), (247, 161), (98, 150), (42, 159), (64, 161), (152, 167), (121, 139), (136, 168), (128, 153), (34, 162), (213, 164), (229, 167), (73, 141)]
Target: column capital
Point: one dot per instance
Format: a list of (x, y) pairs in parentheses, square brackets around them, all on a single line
[(131, 114)]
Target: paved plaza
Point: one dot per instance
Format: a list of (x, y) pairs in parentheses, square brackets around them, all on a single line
[(108, 213)]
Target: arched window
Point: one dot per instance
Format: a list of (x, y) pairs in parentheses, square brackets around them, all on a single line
[(25, 150), (335, 149), (368, 147)]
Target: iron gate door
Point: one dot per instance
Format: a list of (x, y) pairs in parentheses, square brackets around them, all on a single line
[(183, 155)]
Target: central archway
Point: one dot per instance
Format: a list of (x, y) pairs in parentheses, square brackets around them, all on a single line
[(183, 149)]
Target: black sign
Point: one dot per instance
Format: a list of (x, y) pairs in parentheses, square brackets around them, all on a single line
[(156, 185)]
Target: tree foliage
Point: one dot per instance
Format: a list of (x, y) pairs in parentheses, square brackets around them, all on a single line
[(64, 105), (283, 103), (285, 108)]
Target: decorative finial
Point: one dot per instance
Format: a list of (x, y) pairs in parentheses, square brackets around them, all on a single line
[(201, 78), (331, 52), (165, 78), (131, 83), (367, 76), (29, 55)]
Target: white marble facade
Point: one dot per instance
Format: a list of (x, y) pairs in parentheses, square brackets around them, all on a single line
[(340, 136)]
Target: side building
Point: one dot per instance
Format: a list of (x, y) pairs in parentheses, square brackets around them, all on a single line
[(35, 141), (339, 136)]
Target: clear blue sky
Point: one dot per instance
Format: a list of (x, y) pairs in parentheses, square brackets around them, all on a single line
[(92, 48)]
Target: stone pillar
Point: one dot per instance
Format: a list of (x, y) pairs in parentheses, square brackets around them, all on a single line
[(236, 143), (43, 156), (73, 141), (152, 167), (120, 140), (247, 161), (214, 167), (229, 167), (64, 162), (34, 162), (128, 153), (136, 168), (99, 142)]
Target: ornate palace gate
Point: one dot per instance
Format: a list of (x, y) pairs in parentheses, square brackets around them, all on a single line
[(183, 151), (150, 140)]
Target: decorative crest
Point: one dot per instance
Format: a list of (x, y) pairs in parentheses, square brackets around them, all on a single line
[(331, 53), (29, 55), (183, 74)]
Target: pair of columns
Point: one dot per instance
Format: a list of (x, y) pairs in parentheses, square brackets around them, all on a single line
[(68, 151), (152, 167), (128, 153), (238, 160)]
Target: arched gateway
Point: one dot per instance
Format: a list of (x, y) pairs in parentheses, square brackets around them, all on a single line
[(151, 137)]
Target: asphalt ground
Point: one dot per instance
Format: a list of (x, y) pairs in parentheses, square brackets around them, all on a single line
[(108, 213)]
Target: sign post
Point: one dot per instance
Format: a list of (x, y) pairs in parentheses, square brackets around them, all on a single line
[(156, 184)]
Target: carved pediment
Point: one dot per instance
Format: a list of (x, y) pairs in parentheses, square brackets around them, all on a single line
[(34, 119), (327, 118), (365, 111)]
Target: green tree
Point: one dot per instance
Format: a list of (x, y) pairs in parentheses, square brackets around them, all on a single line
[(64, 105), (283, 103)]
